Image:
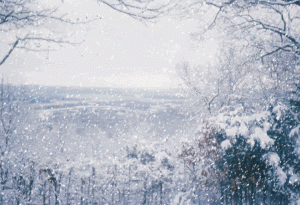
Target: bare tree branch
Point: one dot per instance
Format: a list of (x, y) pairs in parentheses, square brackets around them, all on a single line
[(31, 19), (9, 52), (141, 10), (28, 22), (242, 17), (281, 3), (275, 51)]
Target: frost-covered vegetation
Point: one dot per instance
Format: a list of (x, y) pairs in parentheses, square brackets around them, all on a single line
[(234, 139), (115, 146), (89, 146), (246, 148)]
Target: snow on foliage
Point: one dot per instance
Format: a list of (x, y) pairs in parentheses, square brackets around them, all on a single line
[(272, 159), (279, 109), (295, 178), (226, 144), (260, 136), (281, 176), (253, 126), (294, 131)]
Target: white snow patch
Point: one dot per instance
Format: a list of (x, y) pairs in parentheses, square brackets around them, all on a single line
[(281, 176), (243, 130), (226, 144), (298, 202), (231, 132), (261, 136), (278, 110), (294, 178), (294, 131), (267, 126), (273, 159), (182, 198)]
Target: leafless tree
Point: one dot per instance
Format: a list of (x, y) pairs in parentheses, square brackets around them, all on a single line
[(259, 50), (264, 27), (141, 10), (28, 25), (32, 25)]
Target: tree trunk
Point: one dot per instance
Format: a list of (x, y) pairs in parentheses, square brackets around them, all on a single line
[(68, 187), (57, 189), (81, 198), (222, 195), (160, 192), (93, 185), (44, 194), (49, 195), (251, 194), (144, 202)]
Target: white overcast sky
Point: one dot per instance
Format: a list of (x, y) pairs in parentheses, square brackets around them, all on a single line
[(118, 51)]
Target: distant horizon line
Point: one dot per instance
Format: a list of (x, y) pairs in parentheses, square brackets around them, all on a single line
[(98, 87)]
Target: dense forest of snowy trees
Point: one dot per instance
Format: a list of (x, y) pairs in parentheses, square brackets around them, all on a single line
[(252, 99), (244, 147)]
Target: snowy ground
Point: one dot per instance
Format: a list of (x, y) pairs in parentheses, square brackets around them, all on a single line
[(95, 122)]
